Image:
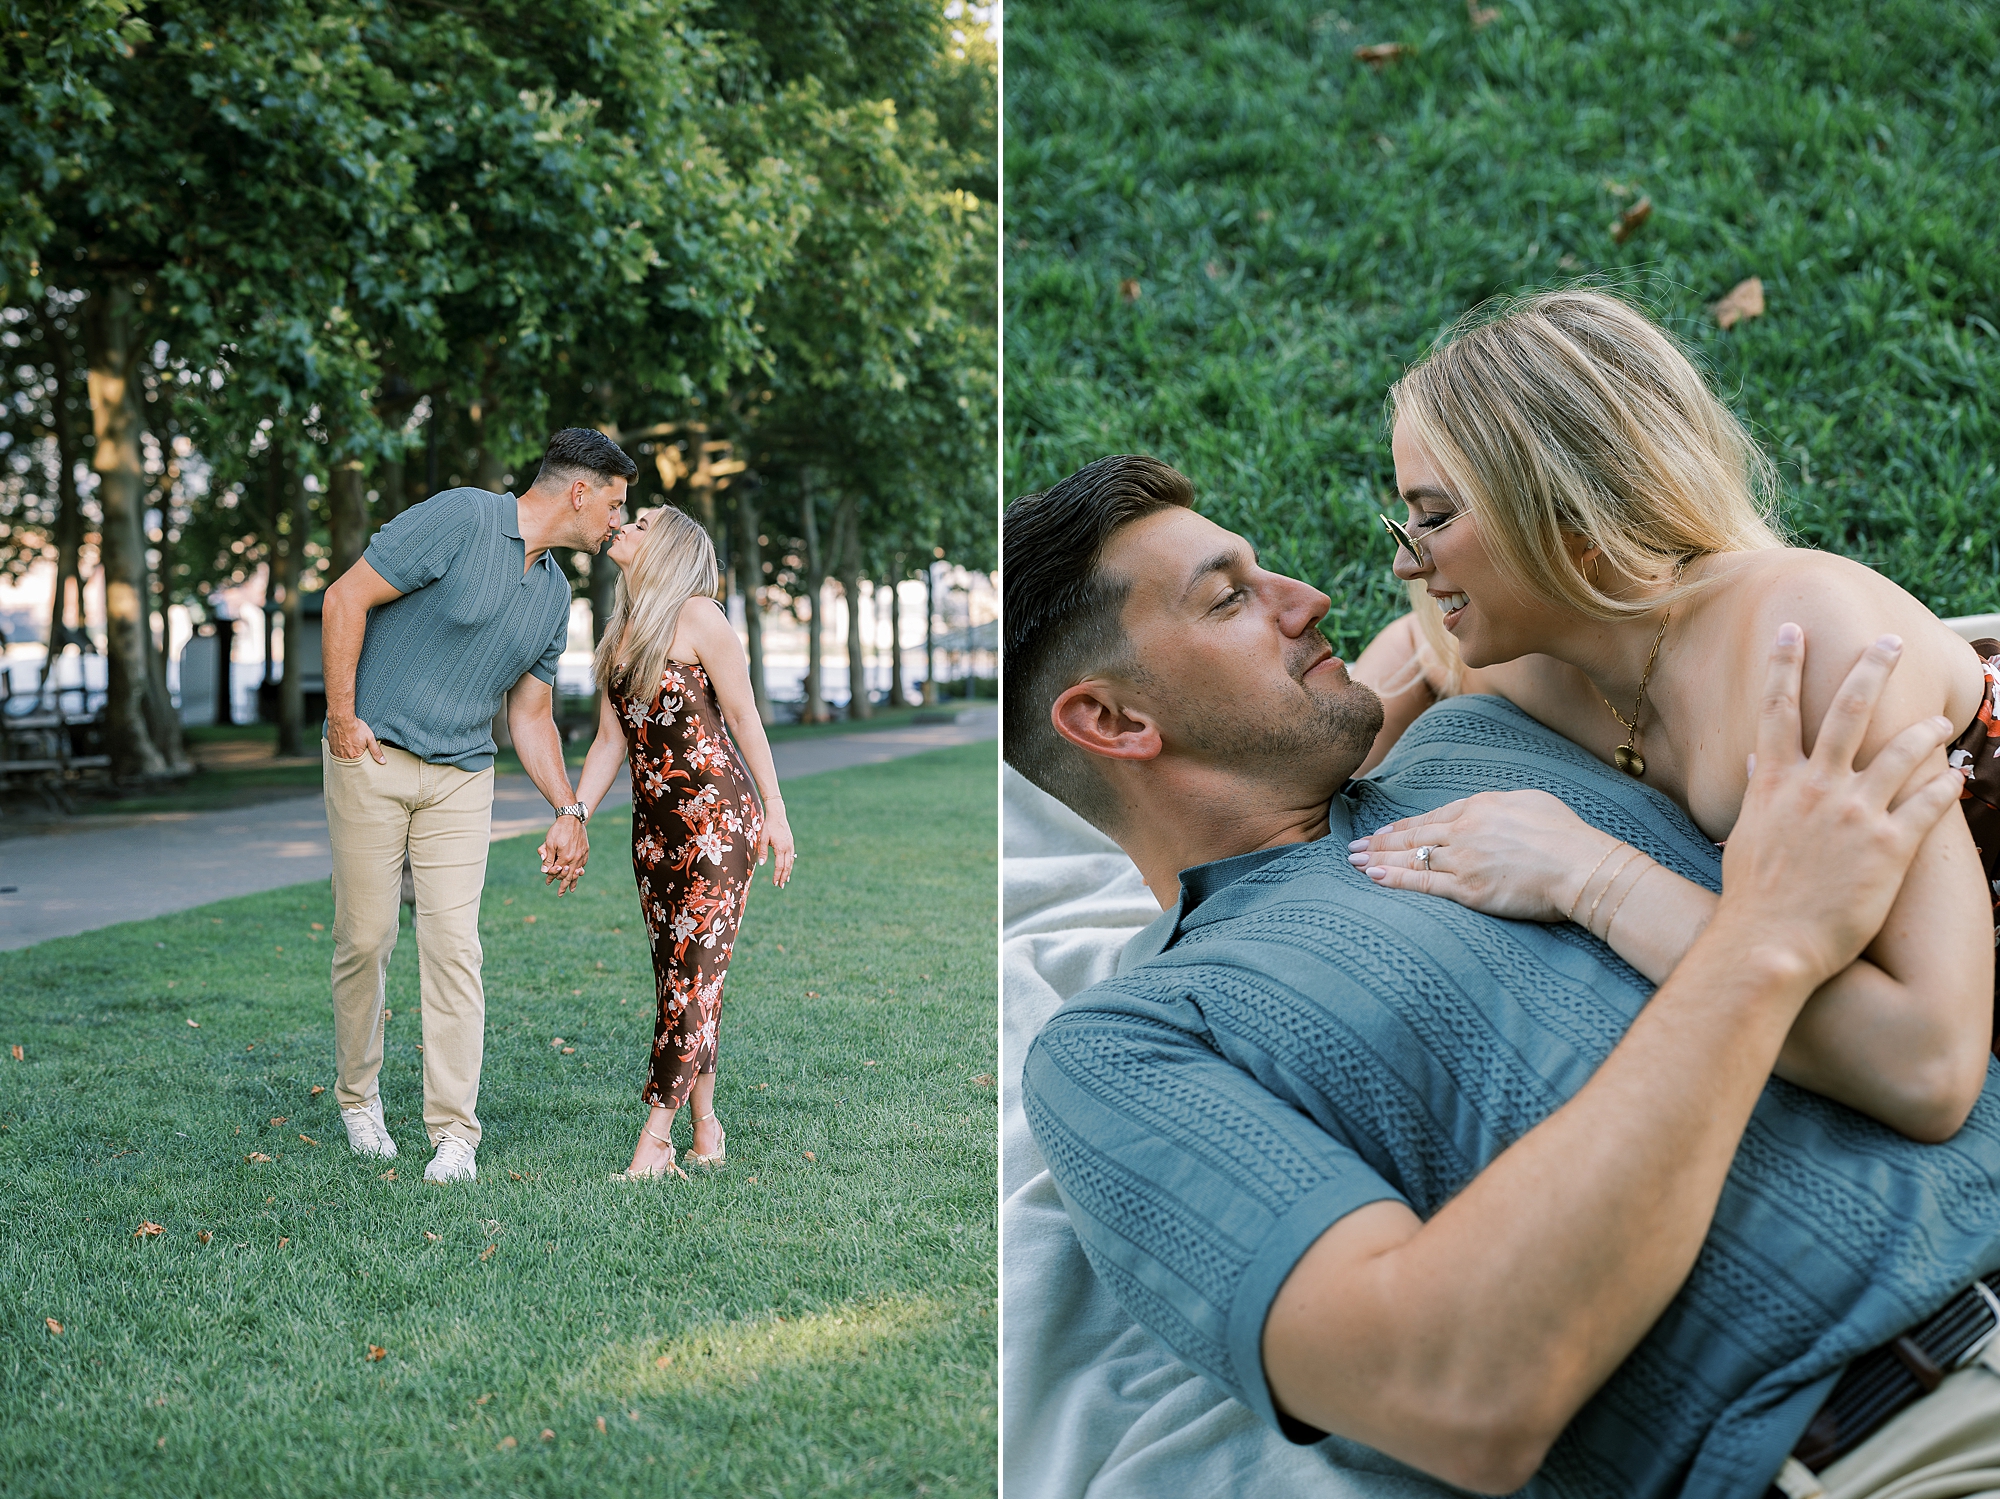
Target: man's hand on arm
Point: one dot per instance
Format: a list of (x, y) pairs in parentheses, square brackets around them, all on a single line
[(343, 627), (1465, 1345)]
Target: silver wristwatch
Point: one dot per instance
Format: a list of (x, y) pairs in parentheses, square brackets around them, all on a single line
[(576, 810)]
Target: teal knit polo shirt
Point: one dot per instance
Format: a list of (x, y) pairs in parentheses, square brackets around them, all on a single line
[(1302, 1041), (437, 662)]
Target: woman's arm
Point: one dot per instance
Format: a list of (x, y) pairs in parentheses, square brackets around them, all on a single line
[(1901, 1035), (721, 655), (607, 753), (1392, 666)]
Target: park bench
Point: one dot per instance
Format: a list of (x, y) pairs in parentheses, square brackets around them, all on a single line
[(48, 739)]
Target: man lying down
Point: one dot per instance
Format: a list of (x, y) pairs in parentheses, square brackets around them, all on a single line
[(1463, 1189)]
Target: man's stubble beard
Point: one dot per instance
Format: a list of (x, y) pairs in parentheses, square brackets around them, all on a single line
[(1323, 729)]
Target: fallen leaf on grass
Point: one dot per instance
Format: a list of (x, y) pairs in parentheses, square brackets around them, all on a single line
[(317, 1089), (386, 1176), (527, 921), (810, 1156), (984, 1080), (1631, 220), (568, 1049), (812, 994), (600, 1424), (309, 1139), (376, 1355), (203, 1237), (283, 1242), (506, 1444), (257, 1155), (251, 1047), (1214, 271), (56, 1328), (633, 1414), (317, 927), (277, 1120), (751, 1182), (663, 1361), (517, 1176), (1379, 55), (1745, 299), (20, 1055), (161, 1442), (487, 1253), (148, 1231), (482, 1399), (547, 1435), (1481, 16), (1129, 290), (555, 1041), (194, 1025), (871, 1064), (431, 1236)]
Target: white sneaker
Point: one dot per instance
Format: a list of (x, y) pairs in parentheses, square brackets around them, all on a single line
[(366, 1132), (454, 1161)]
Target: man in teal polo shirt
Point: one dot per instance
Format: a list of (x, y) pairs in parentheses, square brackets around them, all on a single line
[(456, 608)]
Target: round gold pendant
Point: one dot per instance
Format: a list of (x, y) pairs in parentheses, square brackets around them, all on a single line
[(1629, 760)]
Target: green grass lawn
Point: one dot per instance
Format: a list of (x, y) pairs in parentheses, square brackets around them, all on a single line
[(816, 1318), (1297, 228)]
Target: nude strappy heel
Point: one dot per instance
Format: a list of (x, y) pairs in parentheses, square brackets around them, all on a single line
[(670, 1166), (695, 1158)]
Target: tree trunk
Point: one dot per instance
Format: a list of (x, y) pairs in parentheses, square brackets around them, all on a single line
[(391, 490), (930, 635), (281, 598), (847, 555), (69, 508), (114, 408), (896, 698), (813, 710), (346, 508), (750, 576), (292, 686)]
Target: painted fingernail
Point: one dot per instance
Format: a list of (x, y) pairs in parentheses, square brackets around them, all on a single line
[(1357, 843), (1376, 871), (1943, 723), (1357, 860), (1891, 643), (1790, 634)]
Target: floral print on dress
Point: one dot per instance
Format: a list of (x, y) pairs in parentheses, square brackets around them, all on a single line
[(695, 824), (1977, 753)]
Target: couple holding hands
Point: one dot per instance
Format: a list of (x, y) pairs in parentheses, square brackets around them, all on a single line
[(456, 609)]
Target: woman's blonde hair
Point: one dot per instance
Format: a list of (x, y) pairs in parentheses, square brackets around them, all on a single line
[(1570, 412), (676, 562)]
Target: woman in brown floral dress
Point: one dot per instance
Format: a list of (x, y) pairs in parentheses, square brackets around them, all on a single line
[(671, 674)]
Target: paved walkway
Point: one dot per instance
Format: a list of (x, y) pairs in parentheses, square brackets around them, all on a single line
[(94, 871)]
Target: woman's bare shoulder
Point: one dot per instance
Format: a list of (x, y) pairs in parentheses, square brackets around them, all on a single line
[(701, 630)]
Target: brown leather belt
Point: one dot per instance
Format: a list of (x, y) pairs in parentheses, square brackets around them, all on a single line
[(1902, 1371)]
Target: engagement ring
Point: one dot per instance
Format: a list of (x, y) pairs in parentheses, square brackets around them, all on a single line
[(1424, 856)]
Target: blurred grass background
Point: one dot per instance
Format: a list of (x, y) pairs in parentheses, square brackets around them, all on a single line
[(1226, 236)]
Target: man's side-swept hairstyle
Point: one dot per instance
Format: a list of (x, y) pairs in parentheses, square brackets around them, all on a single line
[(1061, 611), (577, 451)]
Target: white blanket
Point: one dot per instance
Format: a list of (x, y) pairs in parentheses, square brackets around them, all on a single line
[(1091, 1403)]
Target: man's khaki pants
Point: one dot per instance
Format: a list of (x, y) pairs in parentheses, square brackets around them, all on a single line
[(1946, 1446), (444, 817)]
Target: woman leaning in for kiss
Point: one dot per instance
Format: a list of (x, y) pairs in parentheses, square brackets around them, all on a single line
[(671, 673), (1589, 524)]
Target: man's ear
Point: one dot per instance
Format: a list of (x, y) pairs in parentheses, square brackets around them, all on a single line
[(1090, 716)]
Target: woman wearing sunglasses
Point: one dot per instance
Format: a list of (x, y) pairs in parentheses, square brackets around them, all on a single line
[(1586, 536)]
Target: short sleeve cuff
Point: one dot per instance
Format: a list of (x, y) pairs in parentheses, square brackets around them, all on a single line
[(396, 577), (1283, 1247), (543, 673)]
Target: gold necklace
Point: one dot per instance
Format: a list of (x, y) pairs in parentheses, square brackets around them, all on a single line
[(1627, 757)]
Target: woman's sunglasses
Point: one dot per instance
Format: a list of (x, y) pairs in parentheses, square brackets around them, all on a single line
[(1400, 534)]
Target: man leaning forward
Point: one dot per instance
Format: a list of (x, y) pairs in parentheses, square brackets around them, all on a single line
[(456, 608)]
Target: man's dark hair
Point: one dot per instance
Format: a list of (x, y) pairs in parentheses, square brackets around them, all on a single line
[(576, 451), (1061, 611)]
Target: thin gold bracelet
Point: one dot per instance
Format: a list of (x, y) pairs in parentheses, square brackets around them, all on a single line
[(1612, 919), (1570, 914), (1590, 921)]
